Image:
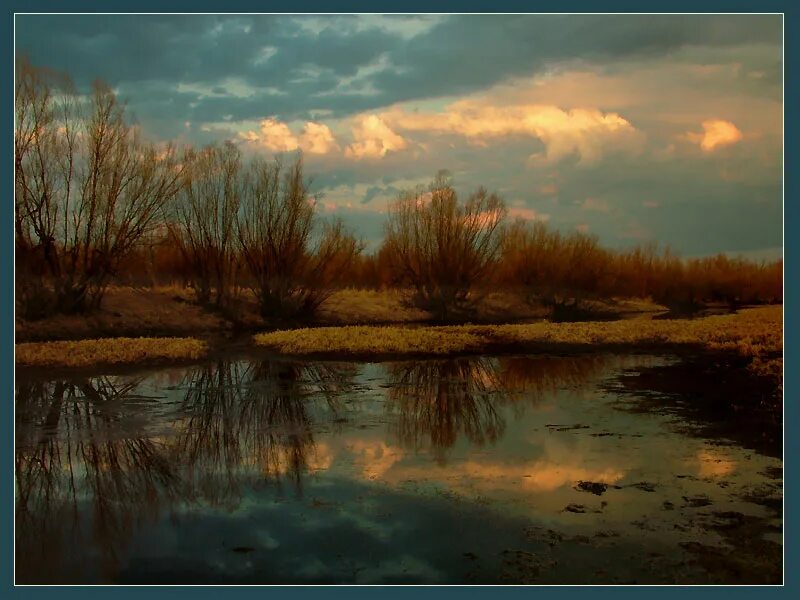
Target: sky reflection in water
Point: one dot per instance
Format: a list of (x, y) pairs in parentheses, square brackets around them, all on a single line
[(463, 470)]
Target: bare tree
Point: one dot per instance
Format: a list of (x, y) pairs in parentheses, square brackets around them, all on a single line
[(204, 219), (554, 269), (292, 269), (442, 247), (86, 187)]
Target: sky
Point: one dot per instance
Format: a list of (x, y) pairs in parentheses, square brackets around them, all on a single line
[(636, 128)]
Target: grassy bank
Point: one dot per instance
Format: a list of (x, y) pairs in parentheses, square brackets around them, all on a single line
[(753, 333), (111, 351), (172, 311)]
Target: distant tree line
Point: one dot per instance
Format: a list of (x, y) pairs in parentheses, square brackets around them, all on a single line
[(95, 204)]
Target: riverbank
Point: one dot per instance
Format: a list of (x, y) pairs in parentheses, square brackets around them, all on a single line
[(172, 311), (109, 351), (755, 335)]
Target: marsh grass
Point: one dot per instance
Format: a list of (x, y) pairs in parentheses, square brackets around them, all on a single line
[(755, 333), (115, 351)]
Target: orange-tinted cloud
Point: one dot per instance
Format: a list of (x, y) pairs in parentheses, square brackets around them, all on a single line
[(373, 138), (527, 213), (717, 133), (275, 135), (317, 138), (585, 132)]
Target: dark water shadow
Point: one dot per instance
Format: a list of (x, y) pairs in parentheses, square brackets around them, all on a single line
[(89, 471), (711, 397), (243, 471)]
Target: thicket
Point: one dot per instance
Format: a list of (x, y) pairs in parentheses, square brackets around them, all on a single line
[(95, 204)]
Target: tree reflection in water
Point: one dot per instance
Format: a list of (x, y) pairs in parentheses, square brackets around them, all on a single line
[(77, 454), (82, 442), (437, 401), (250, 422), (95, 459)]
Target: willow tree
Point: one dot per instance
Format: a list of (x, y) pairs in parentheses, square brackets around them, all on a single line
[(441, 246), (293, 264), (555, 269), (87, 189), (204, 219)]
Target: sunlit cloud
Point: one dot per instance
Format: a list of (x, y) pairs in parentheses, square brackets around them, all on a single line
[(317, 138), (716, 134), (529, 214), (276, 136), (373, 138), (585, 132), (273, 135)]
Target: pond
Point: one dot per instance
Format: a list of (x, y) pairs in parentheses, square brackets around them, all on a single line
[(509, 470)]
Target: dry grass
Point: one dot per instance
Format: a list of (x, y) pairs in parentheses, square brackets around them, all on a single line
[(359, 307), (372, 340), (755, 333), (115, 351), (353, 306), (128, 311)]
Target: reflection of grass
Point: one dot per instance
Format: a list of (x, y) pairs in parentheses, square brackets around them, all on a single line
[(755, 333), (107, 351)]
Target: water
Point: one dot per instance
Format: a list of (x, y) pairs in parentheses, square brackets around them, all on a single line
[(479, 470)]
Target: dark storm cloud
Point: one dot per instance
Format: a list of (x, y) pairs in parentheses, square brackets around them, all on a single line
[(200, 79), (307, 59)]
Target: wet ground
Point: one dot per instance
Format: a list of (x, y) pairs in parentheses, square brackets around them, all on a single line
[(588, 469)]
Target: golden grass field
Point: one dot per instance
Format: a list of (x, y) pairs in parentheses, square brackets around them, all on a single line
[(115, 351), (756, 333)]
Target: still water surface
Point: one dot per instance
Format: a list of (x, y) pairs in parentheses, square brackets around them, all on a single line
[(475, 470)]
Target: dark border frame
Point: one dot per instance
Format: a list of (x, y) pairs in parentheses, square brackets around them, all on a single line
[(791, 12)]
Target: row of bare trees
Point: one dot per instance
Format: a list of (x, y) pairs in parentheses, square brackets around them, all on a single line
[(442, 246), (255, 223), (559, 270), (91, 195), (87, 188), (451, 252), (89, 191)]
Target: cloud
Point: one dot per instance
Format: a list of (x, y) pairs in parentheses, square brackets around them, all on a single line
[(716, 134), (596, 205), (663, 76), (373, 139), (585, 132), (317, 138), (272, 135), (529, 214), (276, 136)]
